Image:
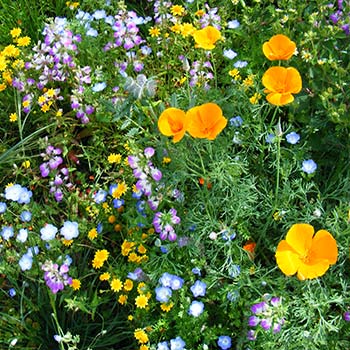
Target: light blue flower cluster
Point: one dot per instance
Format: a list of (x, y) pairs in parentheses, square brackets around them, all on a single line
[(198, 289), (175, 344), (168, 283)]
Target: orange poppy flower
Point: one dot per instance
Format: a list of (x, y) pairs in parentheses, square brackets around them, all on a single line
[(280, 84), (173, 122), (206, 121), (279, 47), (207, 37), (306, 254)]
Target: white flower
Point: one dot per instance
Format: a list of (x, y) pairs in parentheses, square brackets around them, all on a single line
[(70, 230)]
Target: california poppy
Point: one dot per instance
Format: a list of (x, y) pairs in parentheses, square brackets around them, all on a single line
[(206, 121), (207, 37), (173, 122), (279, 47), (280, 84), (306, 254)]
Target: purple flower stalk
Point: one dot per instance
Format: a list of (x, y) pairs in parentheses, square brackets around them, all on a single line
[(163, 224)]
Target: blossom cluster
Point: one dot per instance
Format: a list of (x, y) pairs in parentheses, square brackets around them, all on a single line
[(56, 277)]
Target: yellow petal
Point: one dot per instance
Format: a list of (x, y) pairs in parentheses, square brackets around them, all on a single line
[(287, 258), (310, 271), (299, 237)]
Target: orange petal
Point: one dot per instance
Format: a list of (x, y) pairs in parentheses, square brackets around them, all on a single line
[(207, 37), (310, 271), (324, 247), (278, 99), (287, 258), (293, 81), (274, 79), (299, 237)]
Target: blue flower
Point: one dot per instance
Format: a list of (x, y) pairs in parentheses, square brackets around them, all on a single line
[(163, 294), (270, 138), (48, 232), (3, 207), (240, 64), (234, 271), (7, 232), (22, 235), (26, 216), (99, 87), (177, 344), (293, 138), (92, 32), (25, 262), (196, 308), (309, 166), (233, 24), (224, 342), (99, 14), (163, 346), (100, 196), (176, 283), (198, 289), (117, 203), (12, 292), (236, 121), (165, 279), (230, 54), (196, 271), (70, 230)]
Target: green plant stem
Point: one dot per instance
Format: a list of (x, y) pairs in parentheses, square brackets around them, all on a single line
[(54, 316)]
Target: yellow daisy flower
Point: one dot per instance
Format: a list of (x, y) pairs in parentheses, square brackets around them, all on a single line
[(116, 284), (141, 301), (75, 284)]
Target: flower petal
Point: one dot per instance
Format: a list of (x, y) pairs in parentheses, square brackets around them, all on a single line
[(299, 237), (309, 271), (324, 247), (287, 258), (279, 47), (173, 122), (293, 80)]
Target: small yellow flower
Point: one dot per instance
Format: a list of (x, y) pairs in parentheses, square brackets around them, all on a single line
[(176, 28), (2, 86), (105, 276), (15, 32), (23, 41), (130, 317), (112, 219), (122, 299), (120, 190), (26, 164), (128, 285), (255, 98), (166, 160), (59, 113), (154, 32), (100, 257), (199, 13), (75, 284), (50, 92), (141, 336), (141, 249), (177, 10), (133, 257), (116, 284), (45, 107), (127, 247), (187, 29), (141, 287), (114, 158), (13, 117), (92, 234), (26, 103), (234, 73), (141, 301), (143, 347), (41, 99), (166, 307), (11, 51), (67, 242), (249, 81)]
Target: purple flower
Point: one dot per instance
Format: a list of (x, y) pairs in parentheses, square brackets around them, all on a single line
[(224, 342), (346, 316), (198, 289), (309, 166), (163, 222), (266, 323), (55, 276), (196, 308), (149, 152), (259, 308), (253, 321), (251, 335)]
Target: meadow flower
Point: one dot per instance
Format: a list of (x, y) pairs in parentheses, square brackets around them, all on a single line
[(163, 294), (22, 235), (141, 301), (309, 166), (281, 83), (198, 289), (293, 138), (163, 222), (279, 47), (3, 207), (48, 232), (116, 285), (141, 335), (7, 232), (69, 230), (177, 344), (12, 292), (98, 87), (25, 262), (233, 24), (176, 282), (163, 346), (207, 37), (173, 122), (75, 284), (346, 316), (114, 158), (305, 253), (240, 64), (196, 308), (224, 342), (55, 276), (26, 216), (236, 121), (99, 258), (230, 54), (206, 121), (99, 196)]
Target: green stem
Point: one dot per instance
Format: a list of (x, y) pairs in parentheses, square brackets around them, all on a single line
[(278, 162), (54, 316)]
